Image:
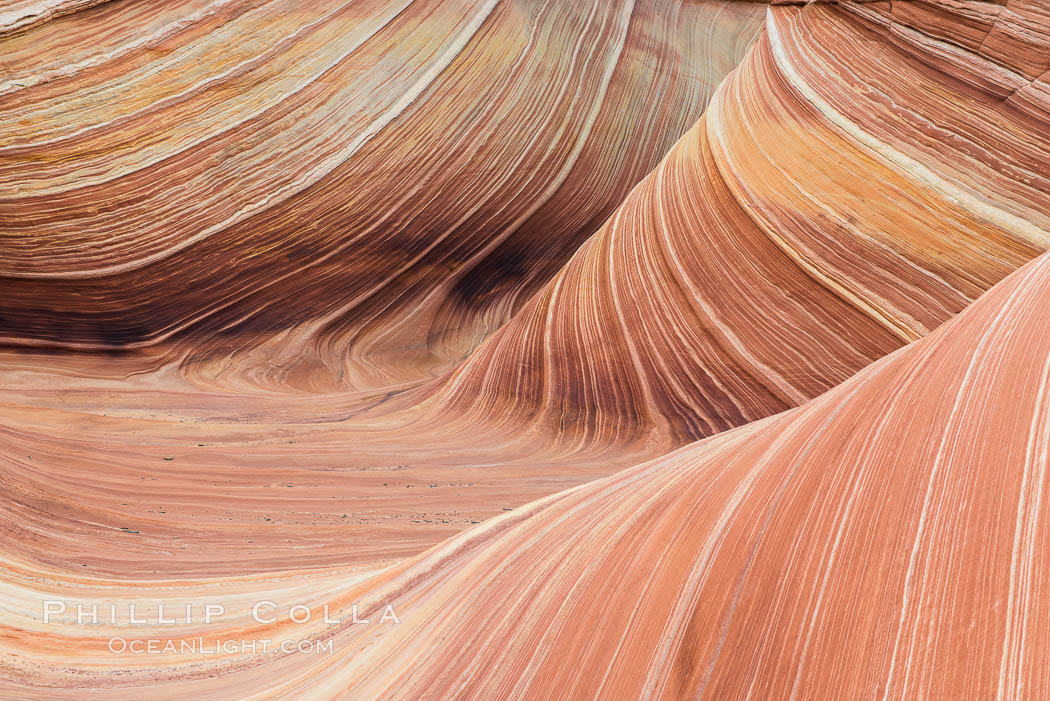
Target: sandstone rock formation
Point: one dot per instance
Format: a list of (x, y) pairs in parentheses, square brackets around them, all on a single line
[(381, 302)]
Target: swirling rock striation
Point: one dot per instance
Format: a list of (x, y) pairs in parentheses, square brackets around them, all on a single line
[(837, 200), (235, 233), (732, 565), (751, 271), (389, 179)]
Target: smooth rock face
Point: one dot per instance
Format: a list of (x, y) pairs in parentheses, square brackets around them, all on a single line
[(393, 303)]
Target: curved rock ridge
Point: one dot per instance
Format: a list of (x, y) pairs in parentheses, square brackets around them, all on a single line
[(837, 200), (389, 178), (888, 539), (885, 540)]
